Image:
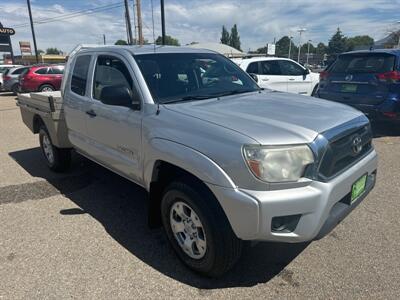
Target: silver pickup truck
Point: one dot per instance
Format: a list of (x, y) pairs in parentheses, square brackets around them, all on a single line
[(223, 161)]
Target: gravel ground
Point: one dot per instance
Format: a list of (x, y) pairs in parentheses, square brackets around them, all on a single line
[(83, 234)]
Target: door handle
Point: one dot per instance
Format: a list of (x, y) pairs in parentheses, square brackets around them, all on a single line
[(291, 79), (265, 79), (91, 113)]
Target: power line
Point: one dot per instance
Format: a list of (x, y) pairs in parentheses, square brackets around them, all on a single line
[(71, 15)]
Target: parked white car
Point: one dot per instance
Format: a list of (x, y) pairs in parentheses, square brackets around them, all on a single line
[(281, 74)]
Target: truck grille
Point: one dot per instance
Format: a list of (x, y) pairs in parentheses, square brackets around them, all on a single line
[(344, 152)]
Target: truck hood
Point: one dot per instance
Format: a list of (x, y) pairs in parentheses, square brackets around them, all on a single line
[(268, 117)]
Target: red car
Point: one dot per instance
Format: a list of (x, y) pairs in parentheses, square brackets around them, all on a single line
[(41, 78)]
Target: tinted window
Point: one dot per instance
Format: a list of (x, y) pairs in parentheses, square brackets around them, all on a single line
[(41, 71), (110, 71), (79, 75), (290, 68), (174, 77), (56, 70), (363, 63), (270, 67), (252, 68), (19, 71)]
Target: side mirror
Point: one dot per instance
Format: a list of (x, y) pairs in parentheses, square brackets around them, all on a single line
[(306, 72), (119, 96), (254, 76)]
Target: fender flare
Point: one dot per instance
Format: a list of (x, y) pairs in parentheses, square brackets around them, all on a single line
[(185, 158)]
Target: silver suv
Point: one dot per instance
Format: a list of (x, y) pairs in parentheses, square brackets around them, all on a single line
[(223, 160)]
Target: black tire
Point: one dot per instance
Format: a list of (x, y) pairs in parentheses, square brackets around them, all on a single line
[(314, 92), (15, 89), (61, 158), (47, 88), (223, 248)]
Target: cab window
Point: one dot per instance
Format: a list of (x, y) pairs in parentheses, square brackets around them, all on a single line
[(270, 67), (41, 71), (79, 75), (110, 71), (290, 68), (253, 68)]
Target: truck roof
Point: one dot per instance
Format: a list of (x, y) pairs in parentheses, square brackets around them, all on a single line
[(138, 50)]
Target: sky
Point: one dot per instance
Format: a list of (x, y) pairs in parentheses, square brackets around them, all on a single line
[(259, 21)]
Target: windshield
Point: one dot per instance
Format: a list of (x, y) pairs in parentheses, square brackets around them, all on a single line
[(176, 77), (3, 69), (363, 63)]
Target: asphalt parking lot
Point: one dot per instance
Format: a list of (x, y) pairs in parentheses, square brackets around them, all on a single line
[(83, 234)]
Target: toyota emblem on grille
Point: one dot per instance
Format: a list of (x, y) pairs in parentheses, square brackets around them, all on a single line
[(357, 144), (348, 77)]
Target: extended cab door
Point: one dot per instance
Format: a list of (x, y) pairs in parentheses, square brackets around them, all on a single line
[(299, 78), (271, 76), (76, 100), (114, 124)]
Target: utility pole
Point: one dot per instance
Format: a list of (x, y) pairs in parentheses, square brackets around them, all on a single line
[(33, 31), (128, 22), (126, 29), (290, 45), (134, 21), (162, 22), (308, 50), (300, 31), (139, 20)]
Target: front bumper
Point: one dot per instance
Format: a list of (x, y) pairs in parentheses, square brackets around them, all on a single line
[(321, 205)]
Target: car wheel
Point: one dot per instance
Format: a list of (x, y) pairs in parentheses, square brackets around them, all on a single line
[(314, 92), (46, 88), (57, 159), (198, 229), (15, 88)]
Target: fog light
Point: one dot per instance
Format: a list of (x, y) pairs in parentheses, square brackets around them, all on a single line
[(285, 224)]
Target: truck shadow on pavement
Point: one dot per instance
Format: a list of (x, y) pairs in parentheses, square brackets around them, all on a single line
[(381, 129), (121, 207)]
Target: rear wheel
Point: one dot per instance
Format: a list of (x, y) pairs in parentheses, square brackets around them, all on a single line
[(46, 88), (198, 229), (57, 159), (15, 88)]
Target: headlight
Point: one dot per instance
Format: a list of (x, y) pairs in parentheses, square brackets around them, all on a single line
[(278, 163)]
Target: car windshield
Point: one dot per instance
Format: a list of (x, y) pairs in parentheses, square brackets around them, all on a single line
[(363, 63), (177, 77)]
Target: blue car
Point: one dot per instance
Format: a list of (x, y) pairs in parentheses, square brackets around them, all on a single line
[(366, 80)]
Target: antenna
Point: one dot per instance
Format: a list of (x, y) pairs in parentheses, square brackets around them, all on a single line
[(152, 20)]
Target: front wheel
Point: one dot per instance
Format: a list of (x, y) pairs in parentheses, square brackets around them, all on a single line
[(57, 159), (198, 229)]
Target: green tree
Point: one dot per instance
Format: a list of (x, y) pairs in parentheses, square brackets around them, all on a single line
[(169, 40), (234, 40), (359, 41), (53, 51), (225, 38), (321, 49), (337, 43), (40, 51), (121, 42)]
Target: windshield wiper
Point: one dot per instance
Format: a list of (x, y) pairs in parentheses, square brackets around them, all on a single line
[(189, 98), (234, 92)]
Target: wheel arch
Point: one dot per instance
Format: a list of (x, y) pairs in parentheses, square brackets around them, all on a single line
[(168, 161)]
